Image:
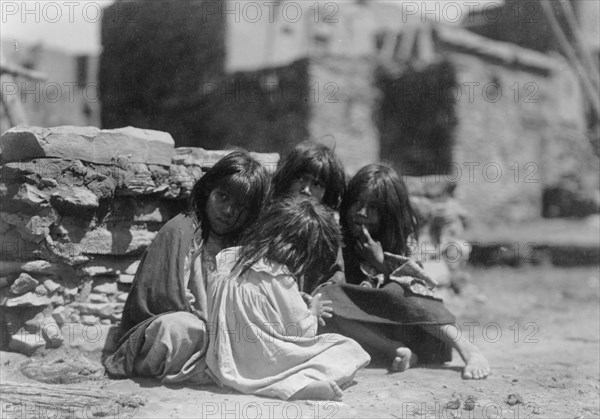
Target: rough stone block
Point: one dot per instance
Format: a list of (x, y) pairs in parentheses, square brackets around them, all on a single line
[(61, 314), (88, 144), (31, 227), (26, 343), (30, 195), (38, 267), (24, 283), (41, 290), (112, 239), (125, 279), (110, 266), (70, 200), (52, 286), (102, 310), (109, 288), (96, 298), (25, 300), (206, 159), (134, 179)]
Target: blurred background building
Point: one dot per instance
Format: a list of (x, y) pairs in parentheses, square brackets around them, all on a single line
[(67, 92), (499, 101)]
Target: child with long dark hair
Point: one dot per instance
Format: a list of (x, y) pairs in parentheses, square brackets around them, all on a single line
[(264, 339), (387, 305), (310, 169), (163, 328)]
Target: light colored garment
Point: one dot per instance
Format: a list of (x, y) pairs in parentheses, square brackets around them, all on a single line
[(263, 338)]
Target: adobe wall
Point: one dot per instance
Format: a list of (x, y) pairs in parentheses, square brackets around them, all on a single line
[(156, 58), (519, 132), (343, 102)]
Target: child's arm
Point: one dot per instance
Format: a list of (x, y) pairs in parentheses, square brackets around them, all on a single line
[(372, 252)]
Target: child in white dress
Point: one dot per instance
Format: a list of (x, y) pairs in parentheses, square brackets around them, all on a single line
[(264, 337)]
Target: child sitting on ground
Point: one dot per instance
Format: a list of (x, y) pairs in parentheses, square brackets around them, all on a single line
[(265, 338), (386, 304)]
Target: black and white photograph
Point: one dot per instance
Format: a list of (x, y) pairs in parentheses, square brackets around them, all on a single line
[(300, 209)]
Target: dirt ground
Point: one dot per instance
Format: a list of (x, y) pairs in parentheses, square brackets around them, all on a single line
[(538, 326)]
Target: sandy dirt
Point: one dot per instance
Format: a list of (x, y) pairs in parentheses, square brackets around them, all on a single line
[(539, 327)]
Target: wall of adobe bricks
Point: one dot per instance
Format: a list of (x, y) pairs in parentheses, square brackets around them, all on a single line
[(514, 143), (343, 105)]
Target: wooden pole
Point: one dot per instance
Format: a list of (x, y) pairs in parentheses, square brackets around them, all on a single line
[(588, 86), (580, 43)]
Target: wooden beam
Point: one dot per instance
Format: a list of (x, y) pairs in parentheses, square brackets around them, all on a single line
[(18, 71)]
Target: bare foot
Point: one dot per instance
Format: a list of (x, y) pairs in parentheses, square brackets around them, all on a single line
[(320, 390), (477, 367), (404, 359)]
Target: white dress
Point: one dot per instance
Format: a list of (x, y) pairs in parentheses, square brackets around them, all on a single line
[(263, 338)]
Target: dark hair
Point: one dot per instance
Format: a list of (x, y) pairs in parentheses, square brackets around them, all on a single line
[(238, 172), (398, 220), (317, 160), (296, 232)]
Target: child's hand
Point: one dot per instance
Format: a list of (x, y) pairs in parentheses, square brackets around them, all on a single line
[(321, 309), (371, 251)]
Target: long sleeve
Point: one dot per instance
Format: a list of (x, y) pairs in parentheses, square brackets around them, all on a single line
[(297, 318)]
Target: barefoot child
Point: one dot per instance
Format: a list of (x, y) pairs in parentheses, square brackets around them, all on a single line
[(387, 305), (264, 337)]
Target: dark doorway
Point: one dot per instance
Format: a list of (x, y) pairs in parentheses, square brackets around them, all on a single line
[(417, 119)]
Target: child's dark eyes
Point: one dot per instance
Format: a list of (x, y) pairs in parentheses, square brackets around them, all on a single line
[(371, 206)]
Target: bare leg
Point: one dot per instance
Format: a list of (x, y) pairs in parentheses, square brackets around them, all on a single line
[(403, 358), (477, 366), (320, 390)]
